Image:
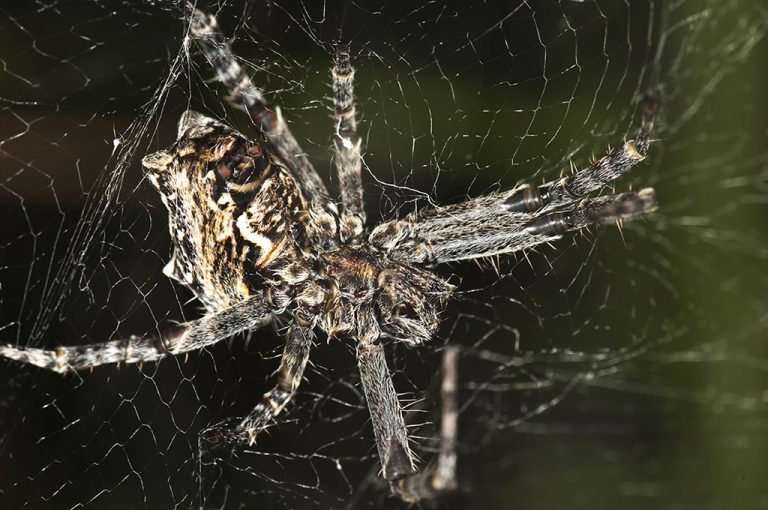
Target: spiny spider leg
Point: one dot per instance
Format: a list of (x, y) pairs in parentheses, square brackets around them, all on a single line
[(600, 173), (390, 432), (593, 210), (294, 359), (347, 143), (439, 477), (246, 315), (203, 28), (482, 227), (519, 219)]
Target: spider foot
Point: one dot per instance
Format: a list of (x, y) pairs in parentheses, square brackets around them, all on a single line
[(227, 432)]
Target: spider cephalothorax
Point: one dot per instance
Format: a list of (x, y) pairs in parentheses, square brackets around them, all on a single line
[(256, 235), (356, 292)]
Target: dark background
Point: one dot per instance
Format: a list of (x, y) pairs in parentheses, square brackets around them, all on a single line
[(610, 369)]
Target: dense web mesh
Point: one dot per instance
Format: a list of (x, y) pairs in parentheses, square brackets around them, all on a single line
[(623, 366)]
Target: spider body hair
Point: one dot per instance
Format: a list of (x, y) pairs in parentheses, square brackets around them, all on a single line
[(257, 238), (240, 226)]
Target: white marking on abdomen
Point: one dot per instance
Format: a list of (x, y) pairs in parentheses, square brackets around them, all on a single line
[(264, 244)]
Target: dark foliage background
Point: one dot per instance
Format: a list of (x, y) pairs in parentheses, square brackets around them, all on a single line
[(609, 370)]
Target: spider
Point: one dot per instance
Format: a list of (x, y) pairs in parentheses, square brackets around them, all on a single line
[(256, 236)]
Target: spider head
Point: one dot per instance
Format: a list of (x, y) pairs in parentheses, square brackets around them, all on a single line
[(223, 193), (409, 302), (367, 296)]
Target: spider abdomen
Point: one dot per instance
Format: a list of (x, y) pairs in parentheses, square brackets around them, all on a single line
[(234, 210)]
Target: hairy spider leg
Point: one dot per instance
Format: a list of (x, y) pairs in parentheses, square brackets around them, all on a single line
[(298, 341), (589, 211), (524, 217), (347, 143), (483, 227), (248, 314), (440, 477), (610, 167), (203, 28), (389, 427)]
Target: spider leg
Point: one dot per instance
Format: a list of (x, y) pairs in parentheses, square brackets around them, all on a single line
[(593, 210), (485, 226), (246, 315), (523, 217), (294, 359), (203, 28), (390, 431), (610, 167), (347, 144)]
